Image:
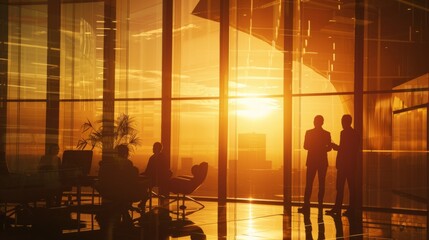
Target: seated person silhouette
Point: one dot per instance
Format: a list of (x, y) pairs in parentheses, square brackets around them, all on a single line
[(119, 184), (158, 170), (50, 163)]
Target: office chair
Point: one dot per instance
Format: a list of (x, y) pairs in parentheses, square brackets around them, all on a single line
[(184, 185)]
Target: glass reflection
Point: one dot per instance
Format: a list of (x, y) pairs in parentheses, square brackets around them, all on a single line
[(27, 52), (72, 116), (81, 50), (25, 136)]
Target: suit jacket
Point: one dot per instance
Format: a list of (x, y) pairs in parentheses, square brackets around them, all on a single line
[(347, 149), (158, 170), (318, 144)]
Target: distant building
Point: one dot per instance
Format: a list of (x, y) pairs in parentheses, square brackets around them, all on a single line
[(252, 151)]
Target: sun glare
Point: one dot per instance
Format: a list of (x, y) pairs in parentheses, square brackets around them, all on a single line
[(254, 108)]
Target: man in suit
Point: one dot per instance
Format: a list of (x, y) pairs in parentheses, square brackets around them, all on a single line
[(317, 142), (345, 164)]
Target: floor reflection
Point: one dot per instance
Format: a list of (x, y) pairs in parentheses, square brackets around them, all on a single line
[(309, 228), (242, 221)]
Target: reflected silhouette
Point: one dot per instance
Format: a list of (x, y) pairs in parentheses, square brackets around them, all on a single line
[(309, 227), (356, 226), (321, 224), (338, 226), (317, 142), (157, 224), (222, 224), (287, 223), (51, 162)]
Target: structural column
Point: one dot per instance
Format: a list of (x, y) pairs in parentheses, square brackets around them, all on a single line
[(287, 103), (223, 100), (427, 171), (4, 60), (109, 76), (53, 73), (358, 95), (167, 63)]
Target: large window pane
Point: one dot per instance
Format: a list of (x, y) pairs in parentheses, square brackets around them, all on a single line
[(82, 31), (27, 52), (256, 58), (255, 148), (326, 46), (397, 43), (195, 140), (195, 51), (139, 49)]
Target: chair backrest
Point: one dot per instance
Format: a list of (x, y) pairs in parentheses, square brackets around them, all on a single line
[(199, 172), (77, 159)]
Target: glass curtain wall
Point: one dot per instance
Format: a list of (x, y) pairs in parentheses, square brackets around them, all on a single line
[(394, 105)]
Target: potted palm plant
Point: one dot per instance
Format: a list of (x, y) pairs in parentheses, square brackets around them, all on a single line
[(124, 132)]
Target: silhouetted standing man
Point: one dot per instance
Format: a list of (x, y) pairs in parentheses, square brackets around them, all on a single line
[(318, 143), (346, 160), (158, 170)]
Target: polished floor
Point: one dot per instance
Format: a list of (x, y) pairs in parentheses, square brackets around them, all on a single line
[(251, 221)]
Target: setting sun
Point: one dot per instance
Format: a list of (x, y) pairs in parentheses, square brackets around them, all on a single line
[(254, 108)]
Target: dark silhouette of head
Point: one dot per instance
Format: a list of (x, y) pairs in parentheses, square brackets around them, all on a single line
[(318, 121), (346, 120), (123, 151), (53, 149), (157, 147)]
